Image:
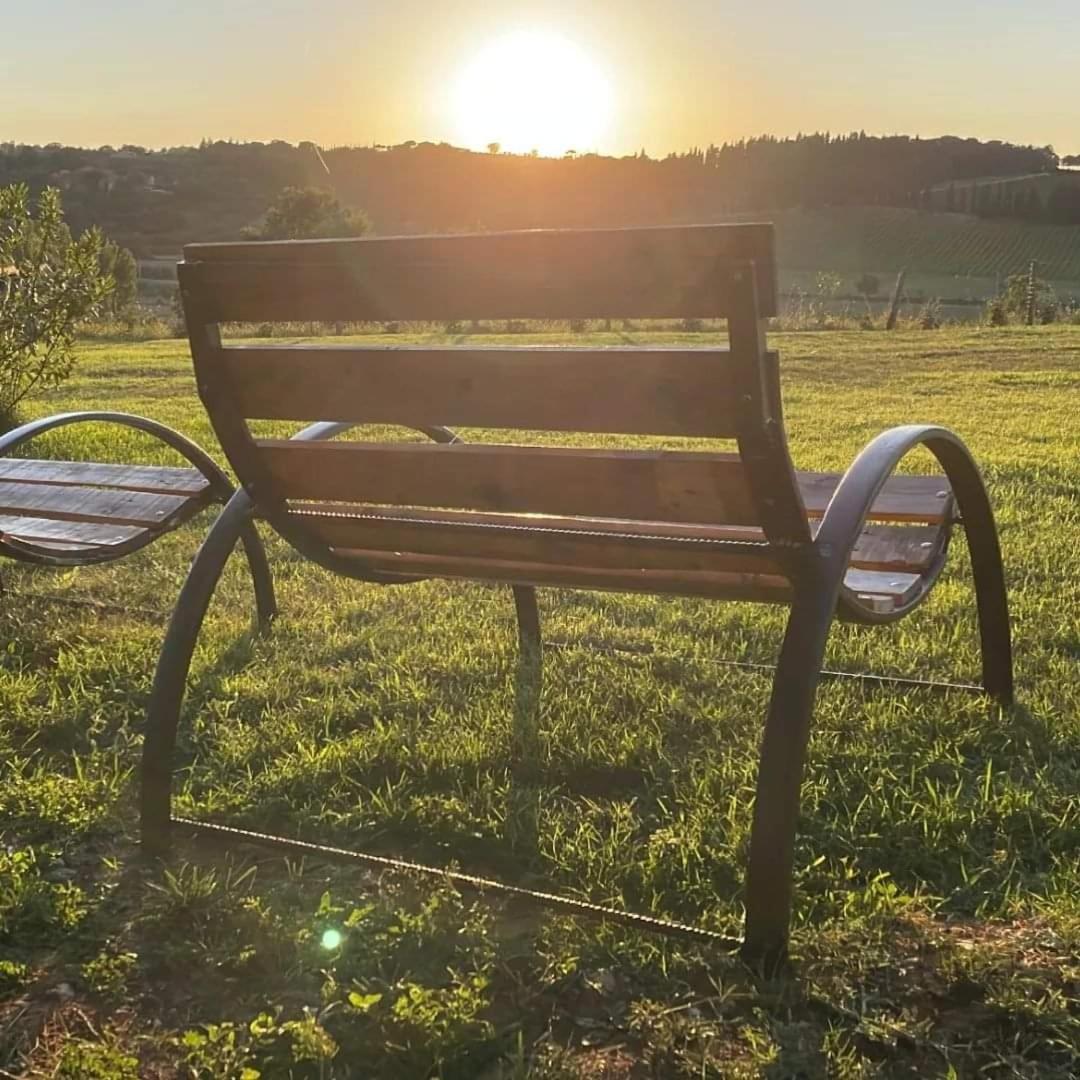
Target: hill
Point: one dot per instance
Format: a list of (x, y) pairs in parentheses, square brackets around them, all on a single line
[(153, 201)]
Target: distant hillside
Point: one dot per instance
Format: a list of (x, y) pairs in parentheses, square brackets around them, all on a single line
[(155, 201)]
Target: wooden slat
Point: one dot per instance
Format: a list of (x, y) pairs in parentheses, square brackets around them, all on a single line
[(161, 479), (909, 548), (658, 391), (884, 590), (71, 546), (721, 585), (904, 498), (639, 484), (92, 504), (893, 589), (89, 534), (666, 272), (543, 544), (548, 538)]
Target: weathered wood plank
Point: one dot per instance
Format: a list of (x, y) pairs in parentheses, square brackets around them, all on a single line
[(549, 538), (891, 589), (71, 503), (663, 272), (640, 484), (912, 548), (658, 391), (89, 534), (720, 585), (904, 498), (539, 543), (159, 479), (894, 589)]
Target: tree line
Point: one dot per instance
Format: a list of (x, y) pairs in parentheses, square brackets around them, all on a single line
[(152, 201)]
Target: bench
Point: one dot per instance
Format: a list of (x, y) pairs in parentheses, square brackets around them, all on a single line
[(79, 513), (737, 524)]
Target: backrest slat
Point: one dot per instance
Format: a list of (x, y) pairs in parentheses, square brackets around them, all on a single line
[(664, 272), (641, 485), (630, 391)]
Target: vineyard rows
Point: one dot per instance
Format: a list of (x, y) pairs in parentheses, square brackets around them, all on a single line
[(869, 239)]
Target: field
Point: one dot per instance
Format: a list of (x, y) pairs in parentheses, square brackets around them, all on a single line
[(938, 905)]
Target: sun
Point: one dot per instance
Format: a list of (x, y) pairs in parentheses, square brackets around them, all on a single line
[(532, 90)]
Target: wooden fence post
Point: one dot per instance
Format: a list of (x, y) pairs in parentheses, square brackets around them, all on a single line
[(898, 292), (1031, 294)]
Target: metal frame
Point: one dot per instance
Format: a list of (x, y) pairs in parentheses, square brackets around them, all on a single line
[(219, 490), (174, 662), (817, 592), (815, 567)]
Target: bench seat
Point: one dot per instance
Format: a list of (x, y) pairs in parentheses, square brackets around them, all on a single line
[(625, 555), (83, 510)]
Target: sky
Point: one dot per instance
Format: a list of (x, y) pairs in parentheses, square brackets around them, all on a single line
[(612, 76)]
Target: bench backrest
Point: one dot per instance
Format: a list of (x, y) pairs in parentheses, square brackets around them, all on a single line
[(678, 272)]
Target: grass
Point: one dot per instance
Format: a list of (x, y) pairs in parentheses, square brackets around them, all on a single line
[(937, 928)]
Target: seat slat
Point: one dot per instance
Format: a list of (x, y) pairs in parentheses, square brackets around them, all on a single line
[(551, 539), (540, 544), (657, 391), (720, 585), (664, 272), (71, 503), (641, 484), (904, 498), (89, 534), (884, 590), (913, 548), (158, 479), (892, 590)]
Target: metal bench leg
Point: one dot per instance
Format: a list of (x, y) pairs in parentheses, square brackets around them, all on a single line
[(266, 608), (787, 728), (991, 598), (779, 782), (170, 679), (528, 620)]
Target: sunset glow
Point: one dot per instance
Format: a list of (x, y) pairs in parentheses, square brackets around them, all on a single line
[(533, 90)]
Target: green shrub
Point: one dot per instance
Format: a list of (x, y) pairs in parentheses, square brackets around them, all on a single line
[(49, 283), (930, 315)]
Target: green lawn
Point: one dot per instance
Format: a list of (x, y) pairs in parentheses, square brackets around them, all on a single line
[(938, 905)]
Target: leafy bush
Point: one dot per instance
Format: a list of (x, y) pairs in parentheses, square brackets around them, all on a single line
[(930, 315), (1012, 303), (49, 282), (302, 213)]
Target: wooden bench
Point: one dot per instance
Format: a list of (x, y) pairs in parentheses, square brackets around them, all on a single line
[(737, 523), (79, 513)]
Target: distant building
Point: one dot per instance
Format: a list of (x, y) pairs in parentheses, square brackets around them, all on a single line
[(1049, 197)]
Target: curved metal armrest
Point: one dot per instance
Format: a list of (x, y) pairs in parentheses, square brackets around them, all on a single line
[(328, 429), (851, 503), (173, 439)]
